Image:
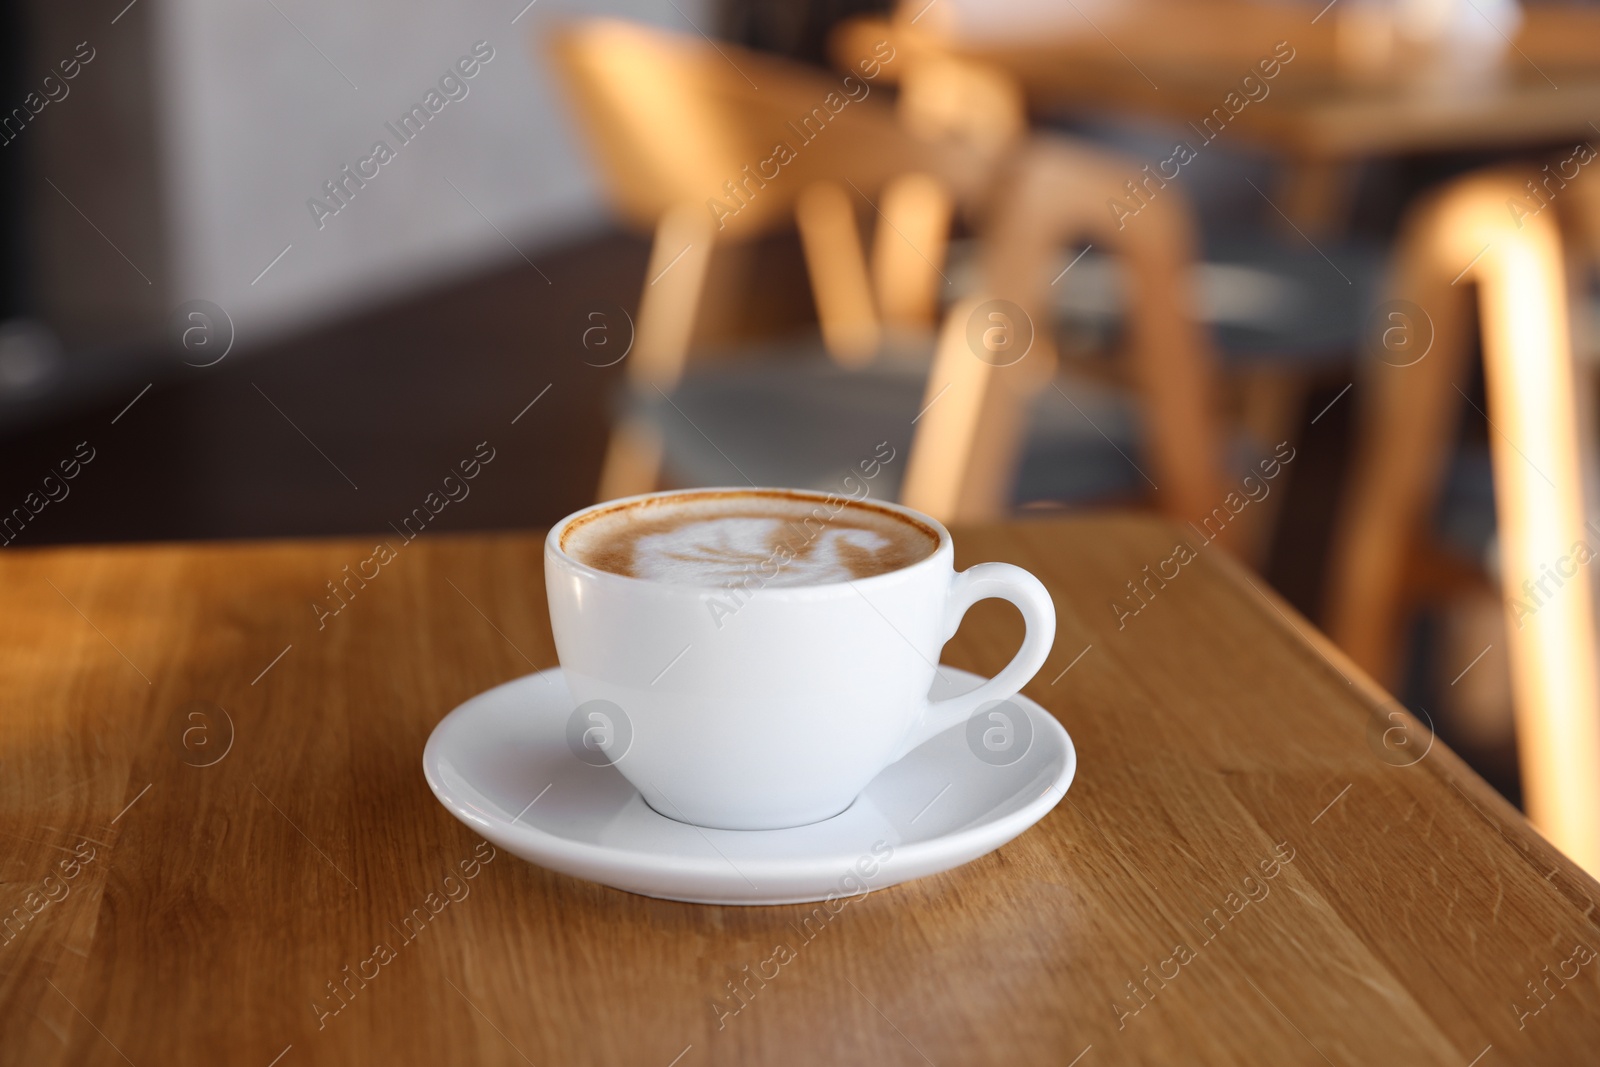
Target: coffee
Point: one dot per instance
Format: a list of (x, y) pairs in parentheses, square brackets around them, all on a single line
[(719, 537)]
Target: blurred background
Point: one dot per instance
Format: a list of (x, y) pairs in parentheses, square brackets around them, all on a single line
[(1315, 281)]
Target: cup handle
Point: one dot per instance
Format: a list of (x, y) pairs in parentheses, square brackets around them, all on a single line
[(985, 581)]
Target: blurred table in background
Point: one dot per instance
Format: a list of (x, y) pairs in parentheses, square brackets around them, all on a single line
[(1350, 91), (200, 883)]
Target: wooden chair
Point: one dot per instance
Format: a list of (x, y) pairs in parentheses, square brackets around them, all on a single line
[(1462, 236), (1302, 331), (685, 131), (666, 149)]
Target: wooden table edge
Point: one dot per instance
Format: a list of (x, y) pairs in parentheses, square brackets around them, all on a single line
[(1440, 761)]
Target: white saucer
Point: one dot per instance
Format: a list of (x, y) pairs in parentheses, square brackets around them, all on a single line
[(501, 764)]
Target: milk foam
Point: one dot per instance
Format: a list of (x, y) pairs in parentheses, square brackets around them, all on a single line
[(719, 551), (773, 540)]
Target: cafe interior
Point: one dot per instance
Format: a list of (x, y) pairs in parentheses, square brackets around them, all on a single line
[(1313, 283)]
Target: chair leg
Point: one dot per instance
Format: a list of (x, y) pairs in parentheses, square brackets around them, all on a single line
[(909, 249), (1405, 429), (1172, 362), (671, 298), (837, 268), (1316, 196), (971, 428), (1271, 403), (632, 463), (679, 259), (1539, 503), (1467, 234)]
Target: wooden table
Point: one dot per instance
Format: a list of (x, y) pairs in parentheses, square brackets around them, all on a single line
[(1178, 60), (195, 894)]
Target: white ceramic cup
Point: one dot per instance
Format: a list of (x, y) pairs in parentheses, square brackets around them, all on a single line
[(781, 712)]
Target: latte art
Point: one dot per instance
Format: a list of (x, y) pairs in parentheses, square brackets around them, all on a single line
[(726, 538), (724, 550)]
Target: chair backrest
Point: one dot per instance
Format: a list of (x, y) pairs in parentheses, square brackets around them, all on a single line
[(1461, 235), (677, 119), (710, 144)]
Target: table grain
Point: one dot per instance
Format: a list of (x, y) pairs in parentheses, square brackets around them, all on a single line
[(213, 815)]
